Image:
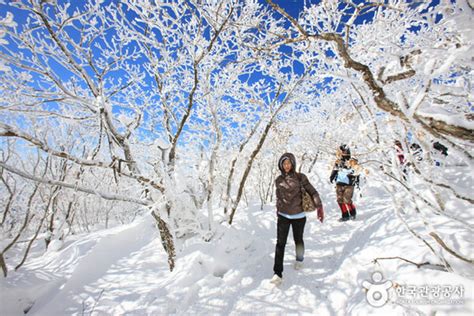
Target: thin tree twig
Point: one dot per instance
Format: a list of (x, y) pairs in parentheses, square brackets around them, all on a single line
[(418, 265)]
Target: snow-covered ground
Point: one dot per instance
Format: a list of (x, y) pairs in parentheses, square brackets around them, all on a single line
[(123, 270)]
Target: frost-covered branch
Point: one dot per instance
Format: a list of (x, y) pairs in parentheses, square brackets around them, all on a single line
[(104, 195), (378, 93), (448, 249)]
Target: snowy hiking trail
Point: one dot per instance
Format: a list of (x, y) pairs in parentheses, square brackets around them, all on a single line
[(123, 270), (103, 263)]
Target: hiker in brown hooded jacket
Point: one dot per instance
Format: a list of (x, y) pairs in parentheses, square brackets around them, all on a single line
[(290, 211)]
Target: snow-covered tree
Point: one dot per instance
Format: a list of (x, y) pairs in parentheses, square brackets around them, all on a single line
[(401, 72), (109, 109)]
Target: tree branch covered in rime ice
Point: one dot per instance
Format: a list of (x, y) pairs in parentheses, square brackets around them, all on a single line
[(430, 124), (418, 265), (405, 77), (107, 196)]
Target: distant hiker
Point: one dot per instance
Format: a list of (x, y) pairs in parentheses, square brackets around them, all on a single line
[(400, 155), (441, 148), (346, 174), (290, 212), (416, 151), (440, 153)]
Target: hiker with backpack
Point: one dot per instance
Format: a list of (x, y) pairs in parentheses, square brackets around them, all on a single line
[(401, 158), (289, 205), (346, 175)]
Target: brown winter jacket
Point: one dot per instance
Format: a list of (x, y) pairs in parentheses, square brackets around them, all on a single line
[(288, 189)]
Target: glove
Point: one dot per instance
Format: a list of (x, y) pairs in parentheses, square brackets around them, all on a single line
[(320, 214)]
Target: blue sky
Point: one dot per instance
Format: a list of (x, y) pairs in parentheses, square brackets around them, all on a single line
[(293, 7)]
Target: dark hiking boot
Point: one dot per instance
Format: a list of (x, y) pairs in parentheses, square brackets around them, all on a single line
[(343, 219), (353, 212)]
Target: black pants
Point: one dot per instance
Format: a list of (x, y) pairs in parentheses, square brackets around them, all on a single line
[(283, 228)]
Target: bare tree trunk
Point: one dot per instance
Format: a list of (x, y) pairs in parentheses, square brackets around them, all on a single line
[(72, 205), (23, 227), (69, 217), (227, 198), (248, 168), (313, 163), (260, 186), (246, 198), (3, 265), (27, 216), (107, 215), (268, 193), (232, 166), (54, 202), (6, 211), (166, 239), (30, 243), (54, 207), (212, 163), (11, 192)]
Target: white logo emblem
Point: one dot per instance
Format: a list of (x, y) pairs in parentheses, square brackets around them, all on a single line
[(377, 292)]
